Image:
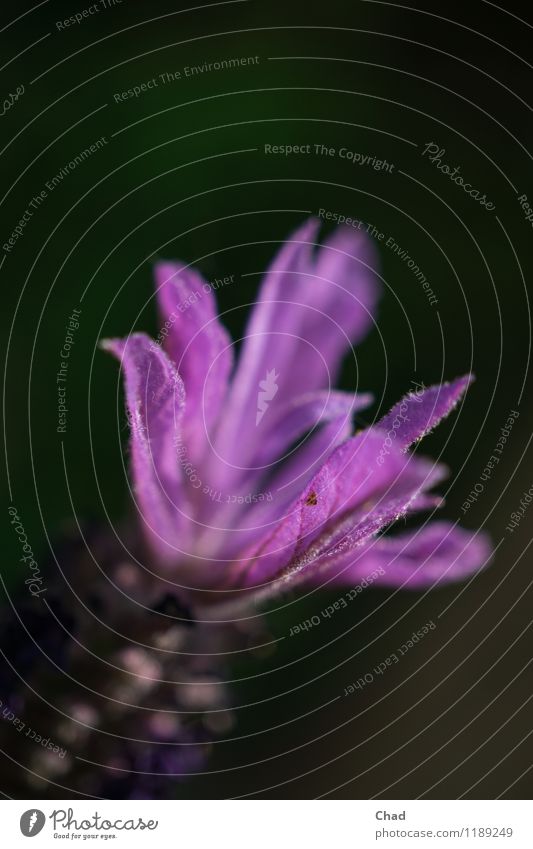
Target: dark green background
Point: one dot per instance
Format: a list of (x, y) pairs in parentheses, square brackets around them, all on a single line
[(164, 187)]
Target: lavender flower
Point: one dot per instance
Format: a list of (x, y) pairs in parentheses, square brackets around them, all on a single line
[(247, 478)]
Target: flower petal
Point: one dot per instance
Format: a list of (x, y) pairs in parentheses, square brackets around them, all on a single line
[(419, 412), (309, 311), (329, 416), (341, 543), (302, 414), (236, 530), (155, 400), (199, 346), (349, 481), (292, 476)]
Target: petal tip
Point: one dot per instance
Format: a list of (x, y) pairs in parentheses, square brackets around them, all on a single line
[(114, 346)]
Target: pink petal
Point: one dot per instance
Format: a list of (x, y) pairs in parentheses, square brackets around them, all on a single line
[(309, 311), (419, 412), (439, 552), (199, 346), (348, 481), (300, 415)]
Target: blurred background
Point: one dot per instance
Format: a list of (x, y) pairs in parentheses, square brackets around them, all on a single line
[(181, 172)]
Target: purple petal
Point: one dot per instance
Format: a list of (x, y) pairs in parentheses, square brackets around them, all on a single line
[(340, 544), (295, 473), (199, 346), (437, 553), (155, 400), (309, 311), (350, 480), (302, 414), (418, 413), (236, 530), (330, 417)]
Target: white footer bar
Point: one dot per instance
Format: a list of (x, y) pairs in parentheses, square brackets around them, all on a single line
[(272, 824)]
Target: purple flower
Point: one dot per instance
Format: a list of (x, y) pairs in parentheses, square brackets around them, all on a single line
[(247, 477)]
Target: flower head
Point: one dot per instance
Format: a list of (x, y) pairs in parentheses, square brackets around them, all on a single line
[(247, 476)]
